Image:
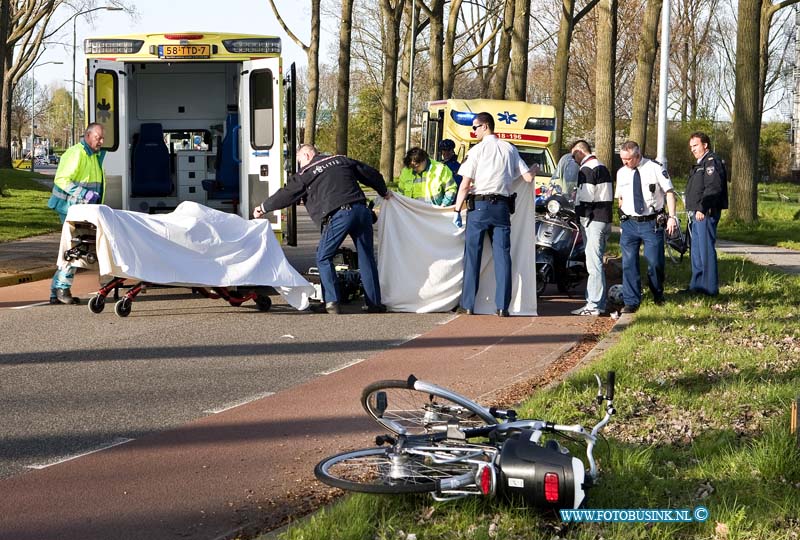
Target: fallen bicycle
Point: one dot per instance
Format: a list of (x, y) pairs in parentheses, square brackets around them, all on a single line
[(449, 446)]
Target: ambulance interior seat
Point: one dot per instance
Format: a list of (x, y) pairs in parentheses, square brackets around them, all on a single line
[(226, 185), (151, 171)]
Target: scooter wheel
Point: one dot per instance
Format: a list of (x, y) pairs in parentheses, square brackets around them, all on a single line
[(263, 303), (91, 258), (97, 303), (123, 307)]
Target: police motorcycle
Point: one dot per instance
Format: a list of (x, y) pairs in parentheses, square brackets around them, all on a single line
[(560, 248)]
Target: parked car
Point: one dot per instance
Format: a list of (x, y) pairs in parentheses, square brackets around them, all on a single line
[(53, 159)]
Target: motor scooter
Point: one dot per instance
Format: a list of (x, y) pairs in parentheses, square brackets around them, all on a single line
[(560, 248)]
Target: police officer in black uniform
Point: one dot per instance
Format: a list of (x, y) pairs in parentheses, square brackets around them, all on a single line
[(706, 197), (329, 185)]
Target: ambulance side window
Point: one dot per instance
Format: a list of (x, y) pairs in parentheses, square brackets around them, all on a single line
[(106, 111), (262, 110)]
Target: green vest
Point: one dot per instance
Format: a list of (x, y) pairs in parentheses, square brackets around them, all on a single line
[(79, 170), (435, 185)]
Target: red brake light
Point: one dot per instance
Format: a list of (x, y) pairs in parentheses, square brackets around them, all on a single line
[(485, 480), (551, 487), (183, 36)]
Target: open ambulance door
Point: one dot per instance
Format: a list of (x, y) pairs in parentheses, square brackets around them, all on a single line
[(290, 154), (106, 103), (431, 134), (261, 137)]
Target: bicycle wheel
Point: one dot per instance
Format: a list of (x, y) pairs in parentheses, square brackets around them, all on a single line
[(416, 408), (391, 471)]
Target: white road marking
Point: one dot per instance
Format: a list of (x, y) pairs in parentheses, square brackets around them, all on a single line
[(343, 366), (32, 305), (116, 442), (245, 401)]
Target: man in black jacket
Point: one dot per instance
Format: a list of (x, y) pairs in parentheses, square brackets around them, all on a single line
[(706, 197), (593, 204), (334, 200)]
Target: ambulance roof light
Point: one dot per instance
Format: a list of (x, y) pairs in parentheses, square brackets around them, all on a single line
[(112, 46), (543, 124), (253, 45), (463, 118)]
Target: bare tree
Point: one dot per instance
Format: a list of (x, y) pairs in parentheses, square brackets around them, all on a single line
[(24, 28), (343, 85), (403, 115), (500, 78), (645, 63), (392, 14), (519, 50), (605, 77), (312, 56)]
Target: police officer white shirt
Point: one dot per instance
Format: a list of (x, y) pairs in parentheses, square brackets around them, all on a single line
[(493, 164), (655, 185)]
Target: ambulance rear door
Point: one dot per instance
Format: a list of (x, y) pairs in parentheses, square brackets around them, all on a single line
[(106, 104), (261, 137)]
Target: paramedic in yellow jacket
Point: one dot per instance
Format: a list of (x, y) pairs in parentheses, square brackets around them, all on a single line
[(428, 180), (79, 180)]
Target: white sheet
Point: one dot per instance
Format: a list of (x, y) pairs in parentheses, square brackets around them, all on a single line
[(192, 246), (421, 252)]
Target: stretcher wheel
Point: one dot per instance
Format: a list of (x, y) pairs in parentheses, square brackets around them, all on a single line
[(263, 303), (123, 307), (97, 303)]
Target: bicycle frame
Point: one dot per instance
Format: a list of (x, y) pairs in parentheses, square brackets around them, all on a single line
[(445, 462)]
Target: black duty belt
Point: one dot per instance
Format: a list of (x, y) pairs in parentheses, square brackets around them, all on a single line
[(494, 197), (651, 217)]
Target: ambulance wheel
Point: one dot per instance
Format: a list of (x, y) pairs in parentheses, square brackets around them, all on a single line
[(123, 307), (97, 303), (263, 303)]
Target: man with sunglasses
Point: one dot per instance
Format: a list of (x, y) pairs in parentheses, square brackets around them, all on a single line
[(488, 173)]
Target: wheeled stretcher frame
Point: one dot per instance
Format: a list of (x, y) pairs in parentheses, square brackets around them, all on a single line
[(84, 249)]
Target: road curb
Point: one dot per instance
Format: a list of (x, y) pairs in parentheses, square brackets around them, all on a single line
[(19, 278)]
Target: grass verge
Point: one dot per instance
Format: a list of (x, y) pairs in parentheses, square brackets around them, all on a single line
[(704, 388), (23, 206)]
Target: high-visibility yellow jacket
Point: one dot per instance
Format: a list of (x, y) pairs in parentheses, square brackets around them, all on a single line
[(80, 170), (435, 185)]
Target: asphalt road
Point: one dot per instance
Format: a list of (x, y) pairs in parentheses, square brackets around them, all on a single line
[(72, 381)]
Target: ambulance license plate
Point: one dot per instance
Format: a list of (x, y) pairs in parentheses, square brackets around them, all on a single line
[(184, 51)]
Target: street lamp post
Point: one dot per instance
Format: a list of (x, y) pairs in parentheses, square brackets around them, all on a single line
[(74, 39), (33, 113)]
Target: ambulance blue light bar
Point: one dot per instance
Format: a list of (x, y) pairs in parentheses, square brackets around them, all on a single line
[(253, 45), (463, 118), (112, 46)]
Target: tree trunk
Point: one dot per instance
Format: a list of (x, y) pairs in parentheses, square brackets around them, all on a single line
[(604, 80), (5, 95), (402, 117), (746, 129), (684, 84), (392, 16), (561, 69), (343, 83), (645, 63), (448, 61), (500, 79), (519, 50), (436, 90), (312, 53)]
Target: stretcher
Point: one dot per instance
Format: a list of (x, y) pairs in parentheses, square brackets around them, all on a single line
[(216, 254)]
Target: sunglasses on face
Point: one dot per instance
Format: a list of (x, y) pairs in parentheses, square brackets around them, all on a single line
[(475, 128)]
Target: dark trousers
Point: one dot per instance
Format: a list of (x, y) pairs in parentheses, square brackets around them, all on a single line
[(634, 234), (356, 223), (704, 254), (495, 219)]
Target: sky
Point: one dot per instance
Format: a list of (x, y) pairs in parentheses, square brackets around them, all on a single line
[(158, 16)]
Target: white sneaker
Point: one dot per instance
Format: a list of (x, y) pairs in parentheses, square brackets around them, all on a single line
[(587, 311)]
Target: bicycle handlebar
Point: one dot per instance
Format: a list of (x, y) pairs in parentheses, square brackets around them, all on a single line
[(611, 378)]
